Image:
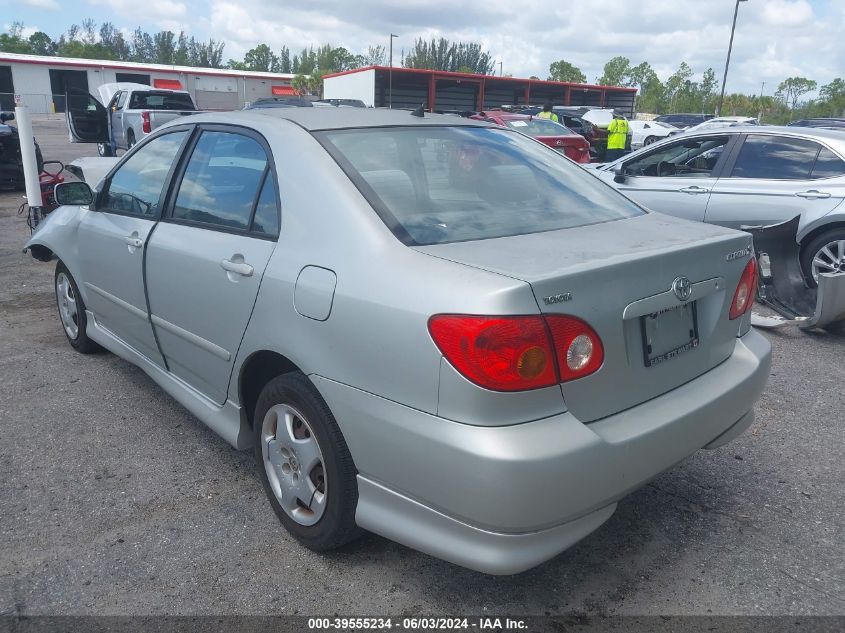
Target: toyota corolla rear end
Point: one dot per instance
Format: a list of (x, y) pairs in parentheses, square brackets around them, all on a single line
[(584, 346)]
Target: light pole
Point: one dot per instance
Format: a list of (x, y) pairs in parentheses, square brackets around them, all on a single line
[(500, 69), (390, 75), (728, 60)]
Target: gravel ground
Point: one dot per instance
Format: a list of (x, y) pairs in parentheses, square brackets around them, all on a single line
[(114, 500)]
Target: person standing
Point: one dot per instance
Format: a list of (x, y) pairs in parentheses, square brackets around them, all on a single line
[(547, 113), (617, 137)]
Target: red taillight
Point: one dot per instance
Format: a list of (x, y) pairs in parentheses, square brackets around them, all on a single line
[(745, 290), (517, 353), (145, 121)]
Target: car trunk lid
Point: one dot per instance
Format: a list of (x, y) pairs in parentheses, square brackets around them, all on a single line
[(618, 277)]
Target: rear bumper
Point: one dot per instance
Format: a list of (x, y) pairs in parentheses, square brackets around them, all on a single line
[(504, 499)]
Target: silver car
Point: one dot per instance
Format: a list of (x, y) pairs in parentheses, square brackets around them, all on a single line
[(752, 176), (431, 328)]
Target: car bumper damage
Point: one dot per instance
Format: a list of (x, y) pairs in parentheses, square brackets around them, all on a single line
[(504, 499), (782, 285)]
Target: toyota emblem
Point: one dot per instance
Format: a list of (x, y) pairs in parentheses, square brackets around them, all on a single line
[(682, 287)]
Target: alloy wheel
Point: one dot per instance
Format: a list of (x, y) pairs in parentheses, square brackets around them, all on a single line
[(294, 464), (830, 258), (68, 311)]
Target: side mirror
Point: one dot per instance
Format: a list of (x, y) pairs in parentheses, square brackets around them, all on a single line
[(7, 116), (73, 193), (619, 173)]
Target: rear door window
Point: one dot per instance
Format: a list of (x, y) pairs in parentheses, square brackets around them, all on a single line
[(439, 184), (775, 158), (221, 182), (828, 165), (163, 100)]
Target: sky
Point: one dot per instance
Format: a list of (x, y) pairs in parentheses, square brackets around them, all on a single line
[(774, 38)]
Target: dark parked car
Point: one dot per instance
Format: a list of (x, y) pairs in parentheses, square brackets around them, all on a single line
[(351, 103), (683, 120), (11, 164), (833, 123), (279, 102)]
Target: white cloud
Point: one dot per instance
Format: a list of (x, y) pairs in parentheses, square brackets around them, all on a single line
[(787, 13), (162, 13), (52, 5)]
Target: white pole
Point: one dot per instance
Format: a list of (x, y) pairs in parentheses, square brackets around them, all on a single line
[(30, 164)]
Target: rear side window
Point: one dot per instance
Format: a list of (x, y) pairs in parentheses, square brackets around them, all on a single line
[(439, 184), (150, 100), (135, 188), (828, 165), (266, 218), (221, 181), (775, 157)]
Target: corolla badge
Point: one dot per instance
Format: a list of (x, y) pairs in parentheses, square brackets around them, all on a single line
[(682, 287)]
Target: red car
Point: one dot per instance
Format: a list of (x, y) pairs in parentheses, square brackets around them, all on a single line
[(553, 134)]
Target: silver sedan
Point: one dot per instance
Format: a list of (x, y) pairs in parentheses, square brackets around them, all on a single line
[(748, 176), (431, 328)]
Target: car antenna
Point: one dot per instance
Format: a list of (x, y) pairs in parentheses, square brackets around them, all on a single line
[(419, 112)]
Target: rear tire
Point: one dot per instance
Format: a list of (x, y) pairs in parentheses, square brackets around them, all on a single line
[(649, 140), (304, 464), (130, 140), (72, 314), (824, 254)]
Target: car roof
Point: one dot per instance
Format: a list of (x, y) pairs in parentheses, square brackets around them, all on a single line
[(835, 136), (313, 119)]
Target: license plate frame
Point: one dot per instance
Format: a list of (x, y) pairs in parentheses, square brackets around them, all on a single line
[(653, 357)]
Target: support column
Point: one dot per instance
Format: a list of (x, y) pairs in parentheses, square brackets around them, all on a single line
[(432, 92)]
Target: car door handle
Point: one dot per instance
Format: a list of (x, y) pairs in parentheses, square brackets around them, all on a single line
[(693, 189), (813, 194), (237, 267), (135, 242)]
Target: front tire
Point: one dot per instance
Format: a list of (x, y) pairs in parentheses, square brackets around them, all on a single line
[(304, 464), (72, 312), (104, 150), (824, 254)]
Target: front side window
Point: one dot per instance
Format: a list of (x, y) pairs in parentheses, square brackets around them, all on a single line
[(135, 188), (775, 157), (690, 158), (221, 181), (439, 184)]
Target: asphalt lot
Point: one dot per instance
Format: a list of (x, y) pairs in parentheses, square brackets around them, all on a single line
[(114, 500)]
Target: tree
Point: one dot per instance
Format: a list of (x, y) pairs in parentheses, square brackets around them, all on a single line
[(13, 42), (617, 72), (375, 56), (114, 42), (441, 54), (832, 98), (793, 88), (562, 70), (42, 44), (261, 58), (649, 87), (284, 60)]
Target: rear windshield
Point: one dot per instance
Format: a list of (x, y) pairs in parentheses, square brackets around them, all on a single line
[(161, 101), (433, 185), (538, 127)]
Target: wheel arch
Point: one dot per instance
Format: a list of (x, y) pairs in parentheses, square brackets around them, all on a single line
[(818, 230), (259, 368)]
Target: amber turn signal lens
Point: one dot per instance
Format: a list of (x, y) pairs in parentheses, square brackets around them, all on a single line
[(532, 362)]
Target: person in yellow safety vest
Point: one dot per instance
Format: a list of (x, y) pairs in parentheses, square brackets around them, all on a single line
[(617, 137), (547, 113)]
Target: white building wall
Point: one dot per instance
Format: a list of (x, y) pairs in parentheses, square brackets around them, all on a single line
[(360, 85)]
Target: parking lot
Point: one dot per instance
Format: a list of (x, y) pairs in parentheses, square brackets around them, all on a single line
[(115, 500)]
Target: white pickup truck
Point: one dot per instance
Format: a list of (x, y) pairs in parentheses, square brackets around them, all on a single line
[(132, 111)]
